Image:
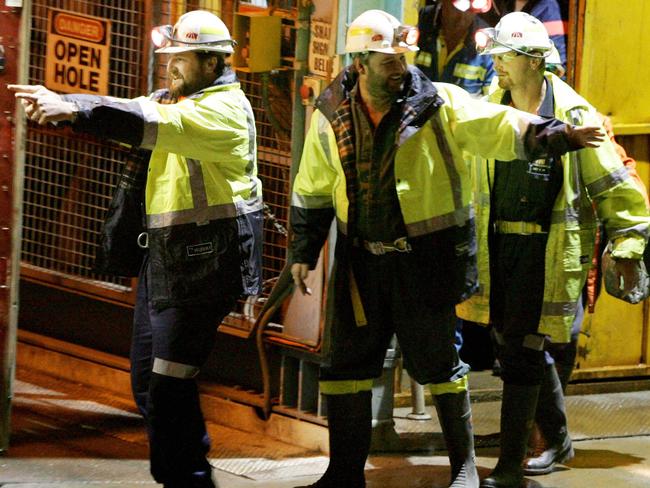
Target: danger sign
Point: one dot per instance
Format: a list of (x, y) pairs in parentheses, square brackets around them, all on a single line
[(77, 53)]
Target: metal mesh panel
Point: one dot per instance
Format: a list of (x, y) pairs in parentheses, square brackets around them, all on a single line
[(69, 178)]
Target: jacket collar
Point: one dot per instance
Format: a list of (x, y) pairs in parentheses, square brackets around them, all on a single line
[(564, 97), (228, 77), (419, 96)]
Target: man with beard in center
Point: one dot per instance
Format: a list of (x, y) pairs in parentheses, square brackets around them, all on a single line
[(203, 235), (384, 156)]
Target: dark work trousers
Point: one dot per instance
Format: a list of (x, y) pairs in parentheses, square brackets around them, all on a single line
[(516, 298), (169, 402), (395, 289)]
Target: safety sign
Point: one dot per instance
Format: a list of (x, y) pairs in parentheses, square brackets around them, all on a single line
[(78, 48)]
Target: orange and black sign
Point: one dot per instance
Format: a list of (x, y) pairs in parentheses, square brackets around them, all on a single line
[(78, 48)]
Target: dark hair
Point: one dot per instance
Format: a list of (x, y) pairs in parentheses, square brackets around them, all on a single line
[(222, 64)]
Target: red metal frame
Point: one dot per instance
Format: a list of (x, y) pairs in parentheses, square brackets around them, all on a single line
[(9, 27)]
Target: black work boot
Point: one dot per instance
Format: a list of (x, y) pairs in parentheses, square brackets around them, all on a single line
[(349, 420), (455, 416), (517, 413), (551, 420)]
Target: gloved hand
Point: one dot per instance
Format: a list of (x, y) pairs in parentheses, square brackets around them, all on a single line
[(42, 105), (584, 136), (626, 279)]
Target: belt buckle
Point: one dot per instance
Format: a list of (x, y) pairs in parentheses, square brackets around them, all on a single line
[(402, 245)]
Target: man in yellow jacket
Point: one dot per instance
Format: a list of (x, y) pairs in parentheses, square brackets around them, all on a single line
[(536, 225), (203, 233), (384, 156)]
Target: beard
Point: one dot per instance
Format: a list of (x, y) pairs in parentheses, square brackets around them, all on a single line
[(181, 85), (384, 88)]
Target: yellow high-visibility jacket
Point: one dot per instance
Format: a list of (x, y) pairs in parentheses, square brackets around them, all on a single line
[(591, 175), (203, 199), (439, 123)]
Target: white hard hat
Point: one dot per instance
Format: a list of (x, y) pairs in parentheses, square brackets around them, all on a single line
[(517, 31), (378, 31), (197, 30)]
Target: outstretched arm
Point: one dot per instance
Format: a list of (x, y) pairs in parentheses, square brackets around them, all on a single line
[(42, 105)]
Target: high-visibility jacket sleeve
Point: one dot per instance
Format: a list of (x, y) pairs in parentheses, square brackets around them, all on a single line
[(312, 207), (108, 118), (194, 128), (205, 128), (620, 203), (490, 130)]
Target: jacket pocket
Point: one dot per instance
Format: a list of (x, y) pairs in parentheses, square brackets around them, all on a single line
[(578, 249)]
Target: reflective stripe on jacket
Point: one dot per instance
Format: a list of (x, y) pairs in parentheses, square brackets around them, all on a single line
[(593, 175)]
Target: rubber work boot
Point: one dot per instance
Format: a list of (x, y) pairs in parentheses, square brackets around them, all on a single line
[(455, 416), (517, 413), (349, 420), (552, 422)]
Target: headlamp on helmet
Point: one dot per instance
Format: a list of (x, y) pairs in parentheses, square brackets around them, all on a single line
[(378, 31), (407, 34)]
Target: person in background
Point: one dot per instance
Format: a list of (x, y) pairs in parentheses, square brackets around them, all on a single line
[(447, 47), (203, 235), (384, 156), (537, 223)]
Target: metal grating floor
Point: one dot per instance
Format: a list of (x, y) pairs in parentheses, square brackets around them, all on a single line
[(64, 432), (590, 416)]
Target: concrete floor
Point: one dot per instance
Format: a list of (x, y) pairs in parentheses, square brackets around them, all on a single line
[(67, 436)]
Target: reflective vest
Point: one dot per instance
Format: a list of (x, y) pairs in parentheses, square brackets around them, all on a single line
[(590, 175)]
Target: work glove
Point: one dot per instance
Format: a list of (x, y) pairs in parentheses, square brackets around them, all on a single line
[(42, 105), (625, 279)]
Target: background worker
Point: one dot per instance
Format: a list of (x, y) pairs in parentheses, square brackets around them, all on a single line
[(384, 155), (447, 47), (203, 223), (537, 216)]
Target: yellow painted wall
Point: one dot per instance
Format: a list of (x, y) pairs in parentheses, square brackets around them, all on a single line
[(615, 64), (614, 75)]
